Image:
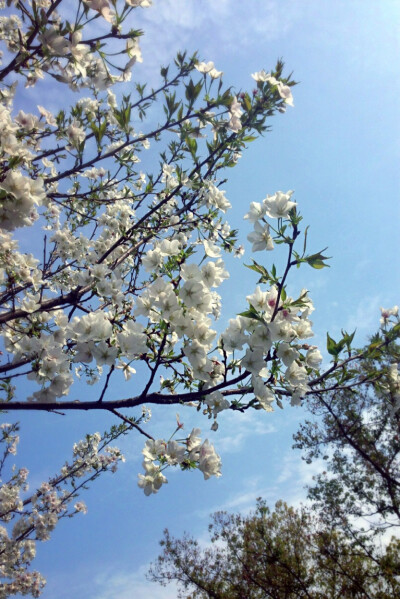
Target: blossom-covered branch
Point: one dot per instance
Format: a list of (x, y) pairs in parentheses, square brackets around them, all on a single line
[(121, 281)]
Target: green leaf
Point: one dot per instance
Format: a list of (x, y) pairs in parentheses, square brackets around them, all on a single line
[(305, 239), (259, 269), (189, 91), (192, 145), (192, 91), (251, 313), (347, 339), (226, 99), (332, 346), (396, 328), (249, 138), (318, 264), (247, 103), (15, 161), (317, 260)]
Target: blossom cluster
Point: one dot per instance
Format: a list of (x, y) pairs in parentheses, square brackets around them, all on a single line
[(63, 52), (283, 90), (189, 453)]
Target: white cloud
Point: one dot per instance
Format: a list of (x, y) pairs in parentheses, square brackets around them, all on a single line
[(294, 475), (244, 501), (211, 27), (128, 585), (299, 475), (250, 425), (366, 315)]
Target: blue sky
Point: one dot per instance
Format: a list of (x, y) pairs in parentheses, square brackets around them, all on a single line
[(339, 150)]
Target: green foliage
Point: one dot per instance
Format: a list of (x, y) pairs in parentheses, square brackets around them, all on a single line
[(284, 553), (357, 431)]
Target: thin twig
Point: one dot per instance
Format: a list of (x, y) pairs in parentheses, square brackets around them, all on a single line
[(131, 423)]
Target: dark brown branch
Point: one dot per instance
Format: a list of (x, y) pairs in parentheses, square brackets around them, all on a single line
[(131, 423)]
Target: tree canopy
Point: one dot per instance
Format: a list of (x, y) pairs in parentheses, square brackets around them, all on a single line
[(274, 554), (357, 432)]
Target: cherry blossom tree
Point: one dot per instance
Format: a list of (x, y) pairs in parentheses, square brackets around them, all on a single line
[(123, 276)]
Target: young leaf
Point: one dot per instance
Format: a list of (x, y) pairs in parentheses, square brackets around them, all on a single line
[(332, 346), (317, 260)]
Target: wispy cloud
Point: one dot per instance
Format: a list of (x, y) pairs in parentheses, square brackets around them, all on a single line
[(181, 21), (128, 585), (245, 500), (250, 425), (294, 474), (365, 316)]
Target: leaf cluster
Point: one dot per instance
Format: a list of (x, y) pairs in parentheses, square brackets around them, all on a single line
[(273, 554)]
